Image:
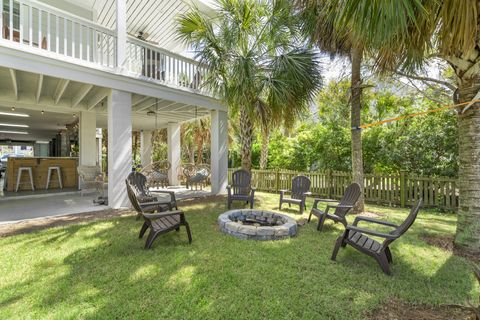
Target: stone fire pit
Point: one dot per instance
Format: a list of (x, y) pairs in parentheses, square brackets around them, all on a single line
[(257, 224)]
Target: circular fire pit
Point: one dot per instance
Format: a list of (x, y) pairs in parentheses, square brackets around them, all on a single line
[(257, 224)]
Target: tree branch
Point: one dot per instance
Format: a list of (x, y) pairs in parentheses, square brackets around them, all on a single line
[(428, 79), (424, 94)]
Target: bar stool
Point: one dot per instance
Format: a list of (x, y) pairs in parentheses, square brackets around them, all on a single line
[(19, 176), (59, 175)]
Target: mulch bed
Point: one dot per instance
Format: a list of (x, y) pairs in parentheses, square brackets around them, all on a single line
[(397, 310), (445, 242)]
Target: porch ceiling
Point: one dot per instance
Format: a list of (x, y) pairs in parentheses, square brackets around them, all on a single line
[(154, 17), (62, 100)]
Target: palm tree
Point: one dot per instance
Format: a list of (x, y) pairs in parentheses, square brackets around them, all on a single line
[(321, 24), (405, 34), (256, 61)]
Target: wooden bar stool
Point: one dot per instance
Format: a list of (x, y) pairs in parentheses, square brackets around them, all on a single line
[(19, 177), (59, 175)]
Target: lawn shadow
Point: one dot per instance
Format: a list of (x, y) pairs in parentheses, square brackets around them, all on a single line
[(108, 274)]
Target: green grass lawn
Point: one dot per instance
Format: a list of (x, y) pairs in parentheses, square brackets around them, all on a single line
[(100, 270)]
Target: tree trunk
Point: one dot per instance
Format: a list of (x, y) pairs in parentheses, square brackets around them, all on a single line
[(264, 153), (105, 147), (191, 155), (135, 145), (199, 142), (246, 137), (357, 158), (467, 236)]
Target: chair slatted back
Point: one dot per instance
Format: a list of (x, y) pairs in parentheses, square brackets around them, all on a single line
[(350, 197), (409, 220), (300, 185), (241, 182), (133, 198), (138, 183)]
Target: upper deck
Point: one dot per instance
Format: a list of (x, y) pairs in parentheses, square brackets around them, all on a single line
[(97, 37)]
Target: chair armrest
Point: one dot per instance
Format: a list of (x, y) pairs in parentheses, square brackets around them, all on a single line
[(153, 216), (253, 188), (153, 203), (171, 193), (372, 220), (325, 200), (307, 193), (371, 232), (317, 200), (340, 206)]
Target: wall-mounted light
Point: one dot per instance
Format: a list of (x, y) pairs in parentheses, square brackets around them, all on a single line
[(43, 111), (13, 108)]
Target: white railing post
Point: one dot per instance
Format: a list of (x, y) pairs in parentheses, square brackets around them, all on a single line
[(121, 45), (1, 16), (10, 20), (30, 25)]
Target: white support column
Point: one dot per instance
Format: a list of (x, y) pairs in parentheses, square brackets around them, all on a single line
[(219, 151), (145, 148), (87, 138), (121, 33), (173, 133), (119, 146)]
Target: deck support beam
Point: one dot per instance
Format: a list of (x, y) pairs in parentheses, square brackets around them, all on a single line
[(38, 93), (174, 149), (60, 90), (84, 90), (219, 151), (13, 76), (119, 146)]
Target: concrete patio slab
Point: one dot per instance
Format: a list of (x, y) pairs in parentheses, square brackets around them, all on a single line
[(49, 205)]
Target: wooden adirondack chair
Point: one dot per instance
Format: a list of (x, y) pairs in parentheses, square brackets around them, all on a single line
[(241, 188), (138, 182), (350, 197), (159, 222), (358, 238), (300, 191)]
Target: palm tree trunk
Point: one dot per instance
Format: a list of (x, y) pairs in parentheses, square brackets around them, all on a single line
[(105, 147), (199, 149), (264, 153), (357, 157), (246, 137), (191, 154), (467, 236), (135, 145)]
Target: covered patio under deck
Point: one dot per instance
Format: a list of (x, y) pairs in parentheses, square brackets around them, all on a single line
[(53, 104)]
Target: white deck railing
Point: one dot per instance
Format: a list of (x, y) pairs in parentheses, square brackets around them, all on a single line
[(155, 63), (40, 26)]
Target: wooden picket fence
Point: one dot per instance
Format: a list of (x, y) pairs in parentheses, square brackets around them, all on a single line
[(396, 190)]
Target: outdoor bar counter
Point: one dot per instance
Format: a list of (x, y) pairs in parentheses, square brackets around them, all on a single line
[(40, 165)]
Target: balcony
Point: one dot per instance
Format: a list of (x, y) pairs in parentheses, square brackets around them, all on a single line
[(46, 30)]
